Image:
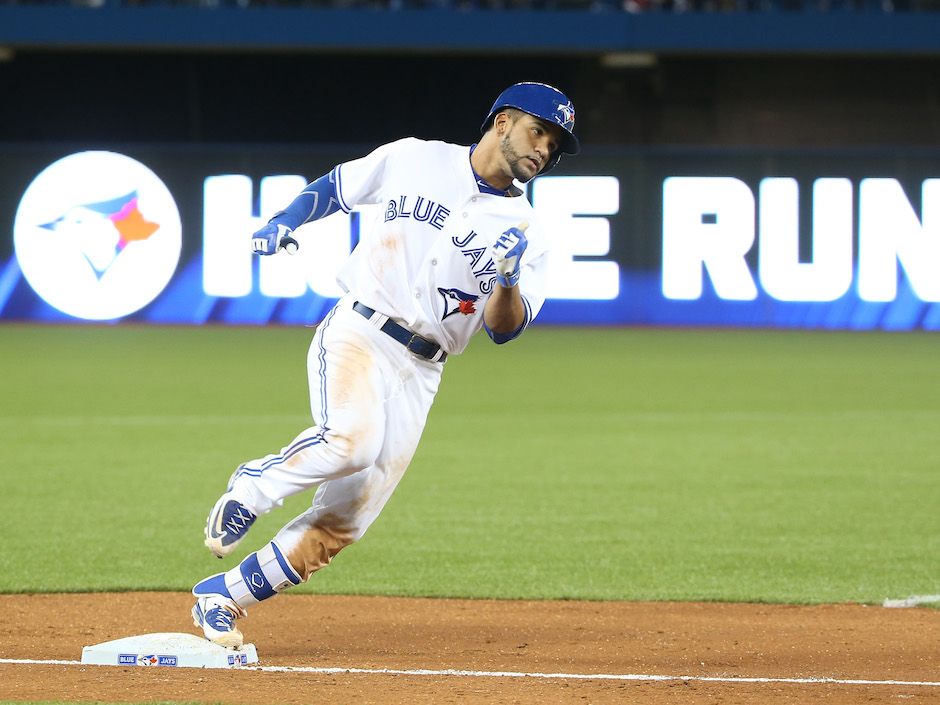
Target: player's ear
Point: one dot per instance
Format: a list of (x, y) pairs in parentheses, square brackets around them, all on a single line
[(502, 121)]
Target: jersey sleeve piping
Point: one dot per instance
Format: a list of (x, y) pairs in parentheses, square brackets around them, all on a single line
[(336, 176), (528, 314)]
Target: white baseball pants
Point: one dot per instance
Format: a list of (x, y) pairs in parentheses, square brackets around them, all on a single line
[(370, 399)]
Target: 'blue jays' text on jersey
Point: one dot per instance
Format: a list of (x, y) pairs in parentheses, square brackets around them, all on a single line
[(424, 254)]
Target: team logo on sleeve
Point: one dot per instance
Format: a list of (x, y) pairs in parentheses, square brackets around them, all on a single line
[(457, 301)]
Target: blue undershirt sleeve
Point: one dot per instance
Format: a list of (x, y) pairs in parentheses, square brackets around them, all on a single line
[(500, 338), (317, 200)]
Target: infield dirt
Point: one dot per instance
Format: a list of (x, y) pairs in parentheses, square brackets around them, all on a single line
[(843, 642)]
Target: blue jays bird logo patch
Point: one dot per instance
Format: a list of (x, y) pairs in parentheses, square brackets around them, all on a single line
[(457, 301)]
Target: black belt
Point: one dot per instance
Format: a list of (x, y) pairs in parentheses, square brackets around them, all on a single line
[(414, 342)]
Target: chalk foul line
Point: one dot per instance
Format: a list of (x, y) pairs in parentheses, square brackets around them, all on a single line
[(914, 601), (645, 677)]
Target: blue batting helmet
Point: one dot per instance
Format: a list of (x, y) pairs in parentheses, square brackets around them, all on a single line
[(546, 103)]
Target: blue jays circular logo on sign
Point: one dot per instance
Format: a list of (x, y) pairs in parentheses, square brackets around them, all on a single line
[(97, 235)]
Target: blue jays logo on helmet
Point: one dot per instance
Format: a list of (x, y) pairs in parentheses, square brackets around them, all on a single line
[(564, 116), (457, 301), (546, 103)]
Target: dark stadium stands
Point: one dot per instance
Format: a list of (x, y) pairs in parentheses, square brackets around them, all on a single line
[(791, 73), (165, 25), (632, 6)]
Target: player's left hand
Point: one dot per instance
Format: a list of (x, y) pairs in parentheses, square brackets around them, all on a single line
[(273, 237), (507, 253)]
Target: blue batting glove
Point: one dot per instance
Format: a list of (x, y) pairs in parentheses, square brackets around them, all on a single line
[(273, 237), (507, 254)]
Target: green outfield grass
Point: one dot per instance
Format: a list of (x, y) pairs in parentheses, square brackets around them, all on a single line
[(600, 464)]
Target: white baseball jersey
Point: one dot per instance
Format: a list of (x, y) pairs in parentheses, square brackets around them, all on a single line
[(424, 258)]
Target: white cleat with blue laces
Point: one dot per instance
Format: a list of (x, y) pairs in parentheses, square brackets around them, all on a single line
[(227, 525), (216, 615)]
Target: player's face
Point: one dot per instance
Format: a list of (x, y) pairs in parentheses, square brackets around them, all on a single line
[(528, 145)]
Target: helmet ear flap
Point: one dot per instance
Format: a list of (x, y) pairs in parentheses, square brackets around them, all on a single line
[(551, 163)]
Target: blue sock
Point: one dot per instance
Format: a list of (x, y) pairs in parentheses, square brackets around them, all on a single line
[(259, 576)]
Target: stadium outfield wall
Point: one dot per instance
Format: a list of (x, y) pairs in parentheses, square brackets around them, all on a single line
[(841, 238)]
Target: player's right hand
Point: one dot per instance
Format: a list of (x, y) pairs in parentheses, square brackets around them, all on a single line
[(273, 237)]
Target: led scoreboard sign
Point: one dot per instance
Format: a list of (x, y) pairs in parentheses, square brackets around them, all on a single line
[(641, 238), (228, 262), (709, 225)]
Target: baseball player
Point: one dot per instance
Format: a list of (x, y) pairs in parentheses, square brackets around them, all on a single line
[(455, 247)]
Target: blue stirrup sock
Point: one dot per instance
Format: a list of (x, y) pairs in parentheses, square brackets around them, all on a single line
[(259, 576)]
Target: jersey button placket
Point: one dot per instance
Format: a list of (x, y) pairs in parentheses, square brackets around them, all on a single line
[(469, 205)]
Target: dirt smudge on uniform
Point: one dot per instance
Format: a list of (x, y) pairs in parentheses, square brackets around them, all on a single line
[(385, 255), (349, 380), (319, 544), (352, 397)]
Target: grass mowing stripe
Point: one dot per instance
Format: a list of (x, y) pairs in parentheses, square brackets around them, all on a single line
[(149, 419), (632, 464), (145, 419)]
